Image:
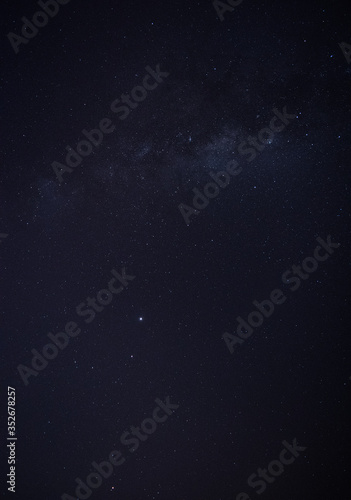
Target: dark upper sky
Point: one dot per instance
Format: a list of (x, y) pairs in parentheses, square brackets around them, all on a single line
[(125, 206)]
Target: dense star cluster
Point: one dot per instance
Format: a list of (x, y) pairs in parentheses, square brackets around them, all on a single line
[(174, 241)]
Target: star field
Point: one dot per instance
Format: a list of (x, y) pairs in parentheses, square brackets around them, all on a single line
[(159, 334)]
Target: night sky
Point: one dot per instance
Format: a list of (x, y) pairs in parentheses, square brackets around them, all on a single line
[(175, 204)]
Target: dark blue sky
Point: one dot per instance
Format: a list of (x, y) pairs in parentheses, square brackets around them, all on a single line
[(119, 208)]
